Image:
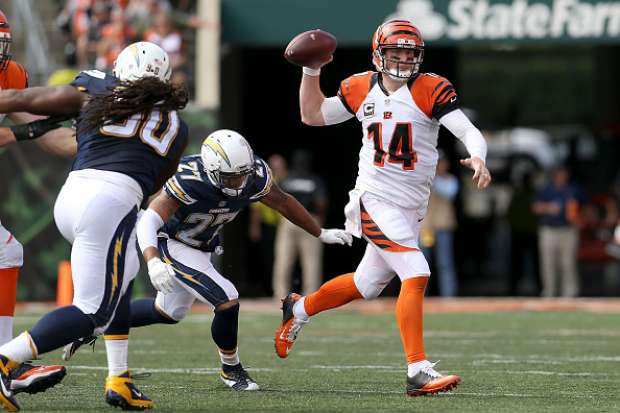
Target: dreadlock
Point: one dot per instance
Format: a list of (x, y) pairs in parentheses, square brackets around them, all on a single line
[(129, 98)]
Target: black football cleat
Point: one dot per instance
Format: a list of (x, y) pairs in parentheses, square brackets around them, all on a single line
[(237, 378)]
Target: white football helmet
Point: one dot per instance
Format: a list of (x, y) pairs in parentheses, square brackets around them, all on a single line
[(142, 59), (228, 160)]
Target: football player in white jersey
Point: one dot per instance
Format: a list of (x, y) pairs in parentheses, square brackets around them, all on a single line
[(400, 110)]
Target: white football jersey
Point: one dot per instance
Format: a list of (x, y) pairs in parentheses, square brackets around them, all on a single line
[(399, 134)]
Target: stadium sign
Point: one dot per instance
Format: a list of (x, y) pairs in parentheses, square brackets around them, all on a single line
[(519, 20), (442, 22)]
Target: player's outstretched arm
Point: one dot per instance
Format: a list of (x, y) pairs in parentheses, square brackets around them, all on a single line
[(158, 212), (59, 142), (461, 127), (47, 133), (292, 210), (56, 100)]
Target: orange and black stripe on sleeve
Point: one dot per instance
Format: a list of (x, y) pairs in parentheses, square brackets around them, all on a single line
[(434, 95), (354, 89), (445, 99)]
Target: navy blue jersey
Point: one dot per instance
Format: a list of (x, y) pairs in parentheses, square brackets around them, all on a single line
[(204, 209), (142, 147)]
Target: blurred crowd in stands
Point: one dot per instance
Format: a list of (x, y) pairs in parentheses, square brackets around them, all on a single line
[(545, 231), (97, 30)]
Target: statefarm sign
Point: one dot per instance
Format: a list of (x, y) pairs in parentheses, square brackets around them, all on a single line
[(560, 20)]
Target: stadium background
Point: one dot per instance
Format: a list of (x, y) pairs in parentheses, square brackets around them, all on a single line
[(554, 70)]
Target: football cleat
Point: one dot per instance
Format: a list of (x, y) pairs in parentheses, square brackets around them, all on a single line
[(69, 350), (32, 379), (238, 379), (287, 333), (429, 381), (121, 392), (7, 398)]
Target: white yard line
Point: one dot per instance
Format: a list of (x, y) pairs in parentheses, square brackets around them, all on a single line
[(202, 370), (559, 373)]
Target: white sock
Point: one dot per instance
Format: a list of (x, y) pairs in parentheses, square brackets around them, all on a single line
[(299, 311), (20, 349), (229, 358), (117, 356), (6, 329), (414, 368)]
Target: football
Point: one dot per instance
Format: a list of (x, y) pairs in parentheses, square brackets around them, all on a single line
[(310, 47)]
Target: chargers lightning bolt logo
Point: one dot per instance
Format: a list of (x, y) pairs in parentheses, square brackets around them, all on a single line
[(118, 249), (217, 148)]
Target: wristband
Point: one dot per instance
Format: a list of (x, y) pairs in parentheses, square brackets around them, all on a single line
[(38, 127), (24, 132), (308, 71)]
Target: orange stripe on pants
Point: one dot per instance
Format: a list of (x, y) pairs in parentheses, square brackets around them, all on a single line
[(8, 291), (410, 317)]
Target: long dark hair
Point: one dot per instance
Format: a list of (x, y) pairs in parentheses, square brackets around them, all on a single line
[(129, 98)]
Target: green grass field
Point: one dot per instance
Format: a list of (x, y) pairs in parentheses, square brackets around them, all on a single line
[(351, 362)]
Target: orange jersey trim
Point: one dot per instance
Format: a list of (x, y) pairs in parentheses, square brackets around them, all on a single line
[(14, 76), (354, 89), (430, 90)]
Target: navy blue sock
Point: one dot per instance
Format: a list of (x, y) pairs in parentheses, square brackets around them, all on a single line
[(144, 313), (61, 327), (121, 320), (225, 326)]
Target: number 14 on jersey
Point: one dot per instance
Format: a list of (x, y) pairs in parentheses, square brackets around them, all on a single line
[(400, 148)]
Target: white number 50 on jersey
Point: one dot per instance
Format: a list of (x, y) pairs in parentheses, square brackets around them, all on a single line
[(148, 129)]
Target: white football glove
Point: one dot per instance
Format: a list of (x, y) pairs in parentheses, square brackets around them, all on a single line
[(162, 275), (336, 236)]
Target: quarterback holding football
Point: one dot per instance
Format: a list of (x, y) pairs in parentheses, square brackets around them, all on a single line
[(400, 110)]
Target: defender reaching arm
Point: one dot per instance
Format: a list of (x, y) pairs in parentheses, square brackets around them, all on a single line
[(207, 192), (16, 100), (163, 207), (47, 100)]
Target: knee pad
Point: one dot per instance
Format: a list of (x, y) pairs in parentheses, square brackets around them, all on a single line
[(172, 307)]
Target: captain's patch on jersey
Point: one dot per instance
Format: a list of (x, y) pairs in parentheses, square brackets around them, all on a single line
[(369, 109)]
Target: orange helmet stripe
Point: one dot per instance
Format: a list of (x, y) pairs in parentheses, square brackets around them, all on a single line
[(400, 28)]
